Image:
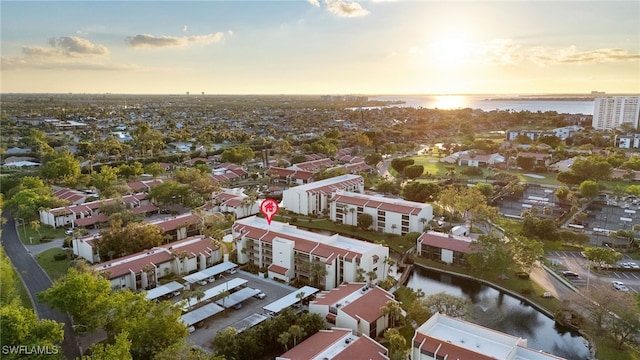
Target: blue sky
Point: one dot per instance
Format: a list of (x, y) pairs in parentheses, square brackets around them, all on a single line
[(320, 47)]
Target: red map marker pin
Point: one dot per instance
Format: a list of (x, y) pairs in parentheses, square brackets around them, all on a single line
[(268, 208)]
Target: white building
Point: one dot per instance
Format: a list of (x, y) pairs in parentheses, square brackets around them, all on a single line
[(313, 198), (142, 270), (336, 344), (288, 252), (611, 112), (629, 141), (395, 216), (354, 306), (443, 337)]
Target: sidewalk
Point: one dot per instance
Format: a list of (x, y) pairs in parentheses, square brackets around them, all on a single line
[(39, 248)]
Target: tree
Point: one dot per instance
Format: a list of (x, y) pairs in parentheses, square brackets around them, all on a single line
[(489, 252), (470, 203), (413, 171), (450, 305), (132, 238), (237, 155), (420, 192), (485, 188), (373, 159), (526, 252), (61, 167), (525, 162), (283, 339), (365, 221), (589, 189), (397, 344), (624, 326), (35, 226), (184, 350), (399, 164), (296, 332), (105, 180), (143, 319), (393, 310), (154, 169), (225, 343), (602, 255), (169, 192), (20, 326), (120, 349), (562, 193), (84, 295)]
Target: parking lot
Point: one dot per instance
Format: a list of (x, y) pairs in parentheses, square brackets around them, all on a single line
[(206, 331), (542, 199), (574, 261)]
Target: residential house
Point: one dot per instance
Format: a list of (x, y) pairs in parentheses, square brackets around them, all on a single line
[(629, 141), (288, 252), (313, 165), (236, 202), (447, 248), (470, 158), (354, 306), (394, 216), (143, 270), (336, 344), (289, 176), (541, 159), (444, 337), (143, 186), (314, 198)]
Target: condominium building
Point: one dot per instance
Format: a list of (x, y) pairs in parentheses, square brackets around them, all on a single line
[(355, 306), (325, 261), (395, 216), (336, 344), (629, 141), (443, 337), (612, 112), (313, 198)]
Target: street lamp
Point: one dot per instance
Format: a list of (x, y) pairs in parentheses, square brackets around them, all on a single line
[(24, 228)]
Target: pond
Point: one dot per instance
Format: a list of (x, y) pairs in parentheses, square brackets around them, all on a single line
[(505, 313)]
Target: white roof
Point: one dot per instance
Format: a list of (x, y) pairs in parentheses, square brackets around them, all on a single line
[(209, 272), (215, 291), (237, 297), (200, 314), (288, 300), (163, 290)]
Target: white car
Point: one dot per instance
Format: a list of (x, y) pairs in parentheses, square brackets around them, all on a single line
[(202, 282), (620, 286), (232, 271), (260, 295), (68, 232)]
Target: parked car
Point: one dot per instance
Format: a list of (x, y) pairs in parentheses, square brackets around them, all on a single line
[(68, 232), (260, 295), (232, 271), (237, 306), (620, 286), (202, 282), (569, 274)]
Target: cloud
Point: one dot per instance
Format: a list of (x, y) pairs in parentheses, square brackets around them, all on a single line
[(39, 63), (66, 46), (315, 3), (571, 55), (506, 52), (343, 8), (185, 28), (152, 41)]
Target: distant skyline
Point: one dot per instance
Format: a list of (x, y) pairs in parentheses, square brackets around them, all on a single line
[(320, 47)]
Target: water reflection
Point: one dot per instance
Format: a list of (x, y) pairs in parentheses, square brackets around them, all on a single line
[(505, 313)]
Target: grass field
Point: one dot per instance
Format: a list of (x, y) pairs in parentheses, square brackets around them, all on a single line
[(54, 268), (30, 236)]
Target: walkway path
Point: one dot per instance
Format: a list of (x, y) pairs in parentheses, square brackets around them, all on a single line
[(42, 247), (36, 280)]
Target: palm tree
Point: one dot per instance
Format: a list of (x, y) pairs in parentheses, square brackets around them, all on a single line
[(360, 274), (353, 220), (393, 310), (283, 339), (372, 275), (300, 296), (296, 332)]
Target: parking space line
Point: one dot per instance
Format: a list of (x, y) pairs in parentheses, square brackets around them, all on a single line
[(635, 276), (625, 275)]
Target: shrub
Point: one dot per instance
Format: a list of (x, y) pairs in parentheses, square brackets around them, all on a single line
[(60, 256)]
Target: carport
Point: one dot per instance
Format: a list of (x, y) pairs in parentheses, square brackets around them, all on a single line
[(209, 272), (237, 297), (163, 290), (286, 301), (202, 313)]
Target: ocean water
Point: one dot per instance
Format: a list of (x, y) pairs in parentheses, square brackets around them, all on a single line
[(489, 103)]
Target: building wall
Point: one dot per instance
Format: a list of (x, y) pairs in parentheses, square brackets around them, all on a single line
[(349, 215), (611, 112)]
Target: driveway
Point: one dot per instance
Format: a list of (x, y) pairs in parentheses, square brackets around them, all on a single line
[(36, 280)]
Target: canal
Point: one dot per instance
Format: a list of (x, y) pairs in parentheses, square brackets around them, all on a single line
[(505, 313)]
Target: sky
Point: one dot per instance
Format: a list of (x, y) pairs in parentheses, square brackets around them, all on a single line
[(320, 47)]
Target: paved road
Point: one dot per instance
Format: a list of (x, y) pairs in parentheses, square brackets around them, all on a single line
[(36, 280)]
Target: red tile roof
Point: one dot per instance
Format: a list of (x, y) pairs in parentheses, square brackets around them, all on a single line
[(333, 296), (367, 306), (278, 269), (91, 220), (386, 204), (363, 348), (315, 344), (445, 241)]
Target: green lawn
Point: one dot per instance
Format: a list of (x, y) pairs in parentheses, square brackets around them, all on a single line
[(54, 268), (30, 236)]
